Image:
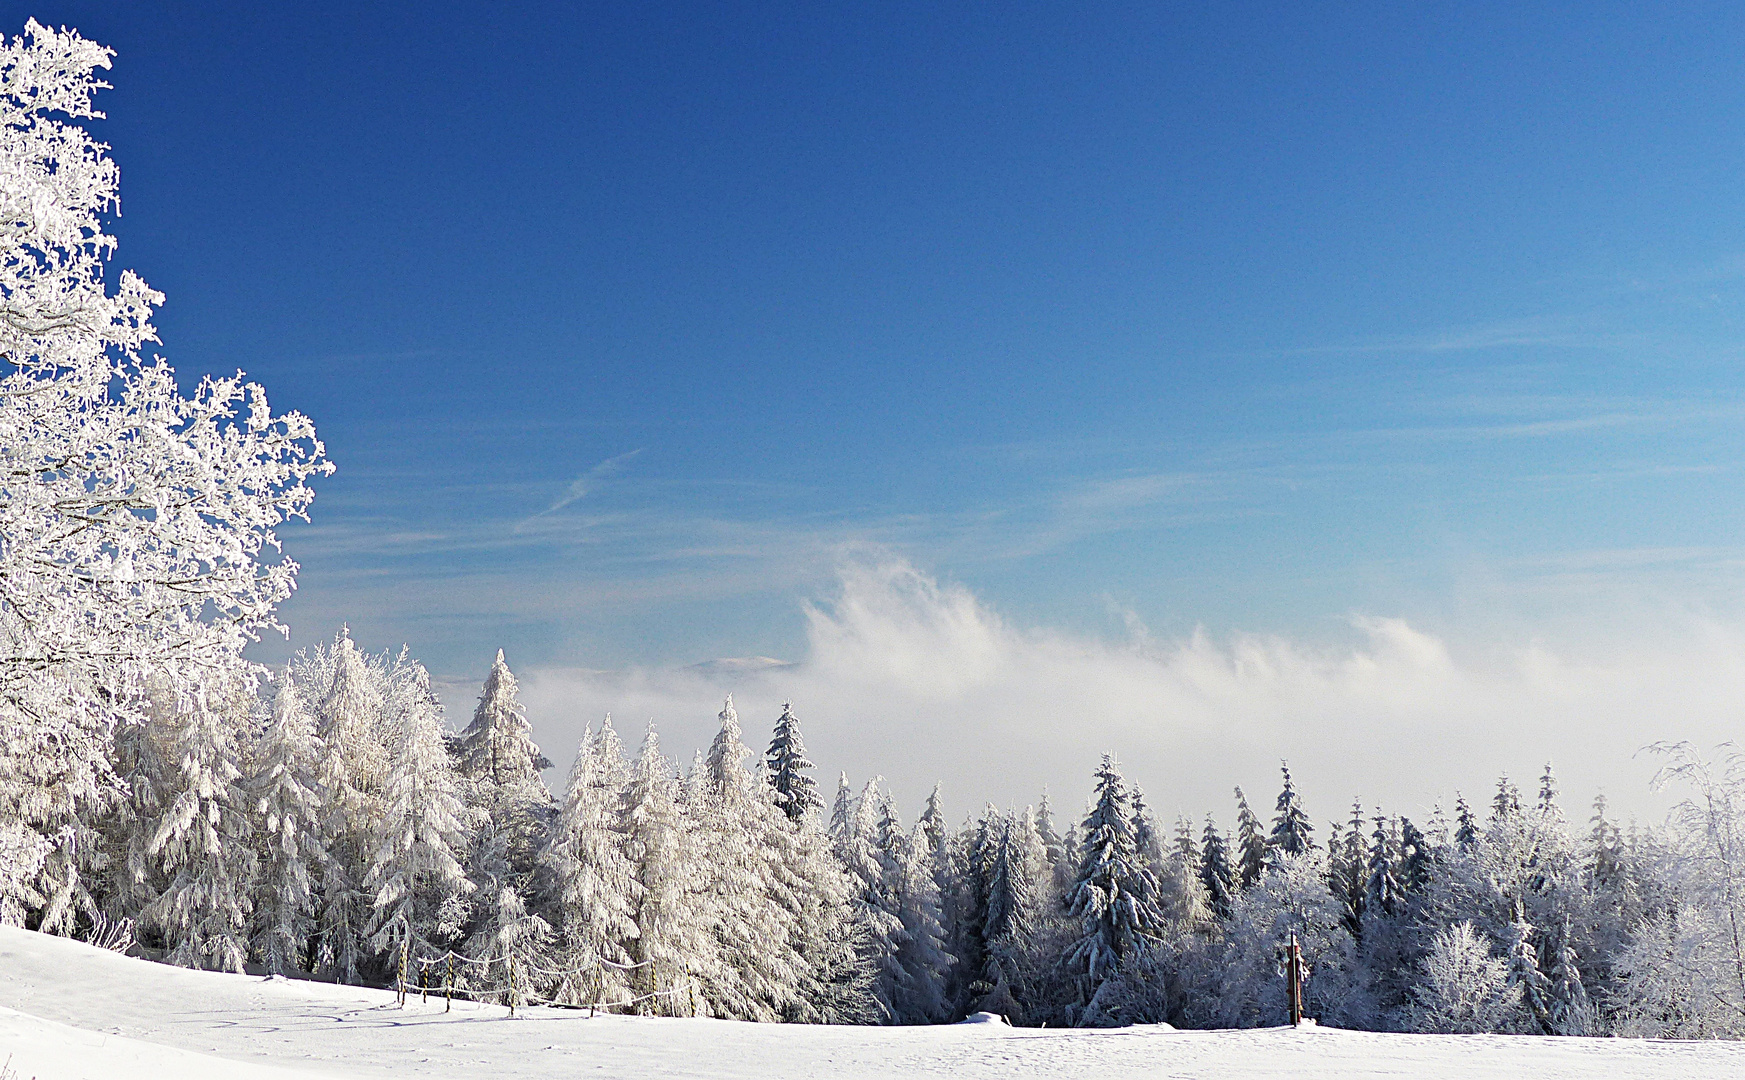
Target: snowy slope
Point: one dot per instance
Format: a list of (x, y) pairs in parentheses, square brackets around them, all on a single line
[(68, 1011)]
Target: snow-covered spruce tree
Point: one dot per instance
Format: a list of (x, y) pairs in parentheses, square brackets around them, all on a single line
[(796, 792), (510, 948), (498, 758), (1381, 891), (1506, 803), (673, 943), (1571, 1010), (1250, 844), (1217, 876), (1011, 909), (199, 843), (1182, 898), (351, 777), (811, 888), (287, 827), (136, 523), (1347, 866), (415, 878), (1115, 900), (1054, 844), (968, 875), (1526, 976), (1415, 858), (1465, 824), (758, 974), (1147, 838), (1291, 827), (594, 880), (878, 900), (908, 879)]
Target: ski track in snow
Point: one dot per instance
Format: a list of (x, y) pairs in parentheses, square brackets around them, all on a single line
[(68, 1011)]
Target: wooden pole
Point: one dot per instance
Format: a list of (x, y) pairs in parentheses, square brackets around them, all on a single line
[(1294, 991), (511, 986), (448, 986), (402, 982)]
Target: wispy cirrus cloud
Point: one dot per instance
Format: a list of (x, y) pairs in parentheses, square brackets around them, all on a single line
[(588, 481)]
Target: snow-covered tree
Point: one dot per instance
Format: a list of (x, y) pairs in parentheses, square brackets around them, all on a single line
[(1466, 825), (796, 792), (199, 841), (1147, 838), (1114, 898), (1012, 904), (1381, 888), (1465, 987), (351, 776), (496, 754), (415, 877), (1526, 977), (1217, 876), (1250, 844), (595, 882), (759, 973), (878, 902), (1291, 827), (1291, 897), (509, 947), (287, 825), (137, 546), (673, 941), (1571, 1010), (842, 811)]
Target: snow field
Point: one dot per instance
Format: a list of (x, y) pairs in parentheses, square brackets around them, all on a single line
[(68, 1010)]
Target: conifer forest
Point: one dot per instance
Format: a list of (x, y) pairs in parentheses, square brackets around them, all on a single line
[(160, 791)]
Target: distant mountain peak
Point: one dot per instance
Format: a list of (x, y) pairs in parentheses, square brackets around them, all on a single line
[(739, 665)]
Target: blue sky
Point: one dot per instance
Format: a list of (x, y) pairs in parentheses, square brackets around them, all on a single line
[(630, 326)]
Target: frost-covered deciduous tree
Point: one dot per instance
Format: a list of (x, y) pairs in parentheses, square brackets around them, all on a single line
[(137, 545), (1465, 987), (1683, 972), (1291, 897)]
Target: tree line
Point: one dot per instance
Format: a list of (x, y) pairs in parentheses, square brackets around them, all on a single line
[(336, 826)]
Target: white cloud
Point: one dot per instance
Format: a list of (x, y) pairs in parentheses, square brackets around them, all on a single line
[(920, 681)]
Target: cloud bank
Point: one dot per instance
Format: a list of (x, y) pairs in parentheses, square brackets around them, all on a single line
[(921, 681)]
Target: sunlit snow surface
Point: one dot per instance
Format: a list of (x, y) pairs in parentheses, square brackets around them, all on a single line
[(69, 1011)]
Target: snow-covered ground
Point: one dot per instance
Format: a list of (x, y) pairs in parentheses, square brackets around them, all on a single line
[(69, 1011)]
